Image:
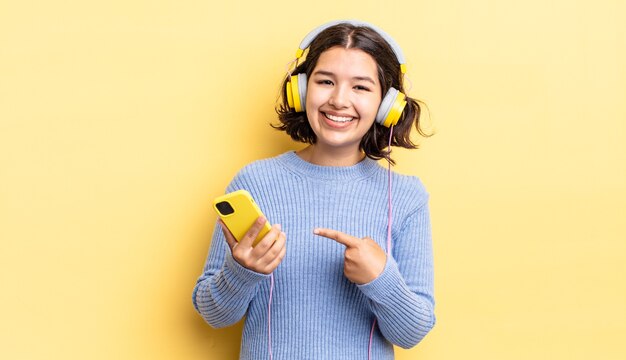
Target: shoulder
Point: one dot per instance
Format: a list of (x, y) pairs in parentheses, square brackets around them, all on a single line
[(262, 170), (409, 191), (256, 167), (262, 167)]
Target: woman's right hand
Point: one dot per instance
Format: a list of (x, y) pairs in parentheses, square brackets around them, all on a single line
[(263, 258)]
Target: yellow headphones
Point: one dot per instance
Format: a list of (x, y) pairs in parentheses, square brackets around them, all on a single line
[(393, 102)]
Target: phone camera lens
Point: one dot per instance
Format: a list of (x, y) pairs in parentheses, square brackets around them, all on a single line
[(224, 208)]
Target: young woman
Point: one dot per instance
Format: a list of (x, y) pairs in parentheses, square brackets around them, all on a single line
[(342, 274)]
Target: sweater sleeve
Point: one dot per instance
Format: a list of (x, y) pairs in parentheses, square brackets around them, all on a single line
[(402, 296), (225, 288)]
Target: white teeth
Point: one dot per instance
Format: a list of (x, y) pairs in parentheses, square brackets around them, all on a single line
[(339, 118)]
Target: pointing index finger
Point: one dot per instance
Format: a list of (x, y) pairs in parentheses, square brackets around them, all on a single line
[(338, 236)]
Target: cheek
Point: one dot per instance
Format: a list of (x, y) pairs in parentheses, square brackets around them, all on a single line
[(368, 106), (313, 100)]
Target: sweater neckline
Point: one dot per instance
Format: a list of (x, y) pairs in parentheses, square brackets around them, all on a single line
[(362, 169)]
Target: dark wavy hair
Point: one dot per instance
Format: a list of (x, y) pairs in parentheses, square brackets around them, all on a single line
[(376, 140)]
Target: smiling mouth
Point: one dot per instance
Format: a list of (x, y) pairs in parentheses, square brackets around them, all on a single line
[(339, 119)]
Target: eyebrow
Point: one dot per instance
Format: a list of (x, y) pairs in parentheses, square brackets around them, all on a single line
[(360, 78)]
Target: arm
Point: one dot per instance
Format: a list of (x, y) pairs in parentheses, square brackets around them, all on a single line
[(402, 296), (225, 288)]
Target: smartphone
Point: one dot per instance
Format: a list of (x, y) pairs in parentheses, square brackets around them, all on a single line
[(239, 212)]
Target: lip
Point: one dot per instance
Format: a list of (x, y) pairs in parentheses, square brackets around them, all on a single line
[(333, 113), (337, 125)]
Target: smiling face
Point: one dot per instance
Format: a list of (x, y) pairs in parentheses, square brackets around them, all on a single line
[(343, 95)]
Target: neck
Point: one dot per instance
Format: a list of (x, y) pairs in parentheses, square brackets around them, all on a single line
[(318, 155)]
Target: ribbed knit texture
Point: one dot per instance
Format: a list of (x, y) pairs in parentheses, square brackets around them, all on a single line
[(317, 313)]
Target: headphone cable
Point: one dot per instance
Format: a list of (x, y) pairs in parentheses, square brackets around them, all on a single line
[(269, 317), (389, 220)]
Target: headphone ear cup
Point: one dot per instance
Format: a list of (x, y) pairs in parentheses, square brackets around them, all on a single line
[(391, 108), (296, 92)]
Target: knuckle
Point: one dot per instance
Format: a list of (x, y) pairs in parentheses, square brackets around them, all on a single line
[(247, 263)]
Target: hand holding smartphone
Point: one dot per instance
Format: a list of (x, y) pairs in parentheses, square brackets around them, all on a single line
[(239, 212), (240, 215)]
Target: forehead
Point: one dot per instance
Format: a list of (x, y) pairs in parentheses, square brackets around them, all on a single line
[(347, 62)]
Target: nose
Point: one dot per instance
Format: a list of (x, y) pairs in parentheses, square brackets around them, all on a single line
[(339, 98)]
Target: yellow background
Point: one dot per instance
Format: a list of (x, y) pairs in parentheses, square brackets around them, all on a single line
[(121, 120)]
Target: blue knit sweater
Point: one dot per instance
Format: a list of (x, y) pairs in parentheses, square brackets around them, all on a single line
[(317, 313)]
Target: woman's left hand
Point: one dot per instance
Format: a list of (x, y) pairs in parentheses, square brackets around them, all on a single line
[(364, 259)]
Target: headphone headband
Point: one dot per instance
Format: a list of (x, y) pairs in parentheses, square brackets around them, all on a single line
[(308, 39)]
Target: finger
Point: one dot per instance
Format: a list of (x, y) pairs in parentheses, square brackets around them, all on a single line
[(262, 246), (338, 236), (275, 249), (276, 261), (230, 239), (253, 232)]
